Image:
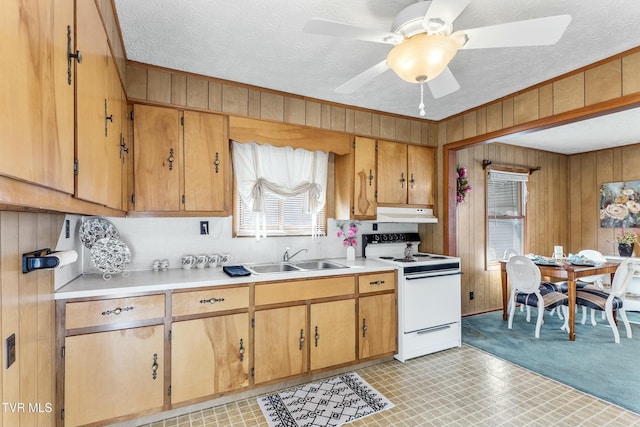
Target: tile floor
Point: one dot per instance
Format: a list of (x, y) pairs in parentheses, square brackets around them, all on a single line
[(458, 387)]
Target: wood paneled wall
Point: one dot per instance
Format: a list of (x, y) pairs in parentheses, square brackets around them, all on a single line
[(547, 216), (169, 87), (613, 82), (27, 309), (587, 172)]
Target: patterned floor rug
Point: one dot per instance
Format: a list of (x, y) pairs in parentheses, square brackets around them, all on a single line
[(329, 402)]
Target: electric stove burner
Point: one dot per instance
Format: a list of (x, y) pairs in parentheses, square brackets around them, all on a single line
[(404, 260), (419, 255)]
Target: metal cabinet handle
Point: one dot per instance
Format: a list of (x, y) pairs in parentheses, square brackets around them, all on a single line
[(377, 283), (317, 336), (107, 117), (154, 367), (370, 177), (402, 179), (241, 351), (216, 162), (212, 300), (364, 328), (301, 338), (412, 181), (117, 310), (71, 55), (171, 159)]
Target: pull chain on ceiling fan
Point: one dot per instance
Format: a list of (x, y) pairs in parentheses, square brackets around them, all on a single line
[(425, 44)]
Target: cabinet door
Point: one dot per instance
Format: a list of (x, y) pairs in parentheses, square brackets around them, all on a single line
[(280, 347), (113, 132), (91, 88), (377, 325), (111, 374), (392, 172), (421, 169), (364, 180), (206, 162), (157, 156), (332, 336), (209, 356), (36, 101)]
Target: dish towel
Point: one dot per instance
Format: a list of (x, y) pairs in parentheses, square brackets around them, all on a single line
[(236, 270)]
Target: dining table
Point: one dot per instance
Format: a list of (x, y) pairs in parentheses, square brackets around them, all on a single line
[(563, 271)]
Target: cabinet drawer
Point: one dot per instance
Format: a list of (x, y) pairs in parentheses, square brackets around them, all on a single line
[(299, 290), (377, 282), (109, 311), (209, 301)]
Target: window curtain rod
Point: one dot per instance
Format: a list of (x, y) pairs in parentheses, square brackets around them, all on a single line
[(531, 170)]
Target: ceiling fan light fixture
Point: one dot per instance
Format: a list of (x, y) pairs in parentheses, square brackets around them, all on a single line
[(422, 55)]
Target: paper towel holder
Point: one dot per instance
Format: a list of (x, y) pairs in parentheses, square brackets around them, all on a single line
[(38, 260)]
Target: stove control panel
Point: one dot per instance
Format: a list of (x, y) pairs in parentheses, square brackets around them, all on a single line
[(368, 239)]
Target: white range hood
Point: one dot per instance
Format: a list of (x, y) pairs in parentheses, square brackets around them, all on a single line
[(412, 215)]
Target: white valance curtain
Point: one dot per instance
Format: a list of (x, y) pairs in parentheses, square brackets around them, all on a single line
[(282, 171)]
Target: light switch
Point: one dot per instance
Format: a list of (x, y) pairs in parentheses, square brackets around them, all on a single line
[(11, 350)]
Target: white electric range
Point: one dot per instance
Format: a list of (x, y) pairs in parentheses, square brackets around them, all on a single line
[(429, 311)]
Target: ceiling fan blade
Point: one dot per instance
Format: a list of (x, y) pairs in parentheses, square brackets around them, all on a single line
[(533, 32), (447, 10), (338, 29), (444, 84), (361, 79)]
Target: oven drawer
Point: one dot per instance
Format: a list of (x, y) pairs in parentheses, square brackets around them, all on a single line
[(429, 341), (377, 282)]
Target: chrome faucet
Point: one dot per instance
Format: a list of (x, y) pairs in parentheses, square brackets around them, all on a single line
[(286, 257)]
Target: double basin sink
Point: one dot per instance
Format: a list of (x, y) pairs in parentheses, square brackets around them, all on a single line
[(284, 267)]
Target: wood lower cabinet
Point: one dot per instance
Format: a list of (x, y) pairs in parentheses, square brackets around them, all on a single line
[(332, 340), (280, 348), (209, 356), (378, 328), (113, 374)]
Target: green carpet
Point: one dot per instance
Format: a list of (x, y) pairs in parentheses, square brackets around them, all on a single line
[(593, 363)]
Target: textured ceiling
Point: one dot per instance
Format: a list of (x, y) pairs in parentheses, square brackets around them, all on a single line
[(261, 42)]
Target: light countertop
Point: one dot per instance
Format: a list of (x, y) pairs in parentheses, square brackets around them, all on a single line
[(93, 285)]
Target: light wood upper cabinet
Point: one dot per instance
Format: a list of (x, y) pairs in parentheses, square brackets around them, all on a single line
[(392, 172), (421, 167), (406, 174), (206, 162), (37, 102), (209, 356), (98, 117), (113, 374), (181, 161), (356, 180), (157, 158)]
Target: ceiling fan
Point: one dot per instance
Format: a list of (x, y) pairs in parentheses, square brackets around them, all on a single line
[(424, 42)]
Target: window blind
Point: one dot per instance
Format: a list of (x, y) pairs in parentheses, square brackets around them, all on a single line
[(506, 213)]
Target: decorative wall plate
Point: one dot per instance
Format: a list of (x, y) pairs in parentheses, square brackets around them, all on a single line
[(94, 229), (110, 256)]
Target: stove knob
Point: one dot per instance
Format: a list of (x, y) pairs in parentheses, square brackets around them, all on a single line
[(384, 237)]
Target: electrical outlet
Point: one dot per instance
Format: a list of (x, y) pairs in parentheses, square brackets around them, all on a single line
[(204, 227), (11, 350), (375, 226), (67, 229), (471, 295)]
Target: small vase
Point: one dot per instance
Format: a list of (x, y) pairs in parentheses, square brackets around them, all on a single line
[(625, 249), (351, 253)]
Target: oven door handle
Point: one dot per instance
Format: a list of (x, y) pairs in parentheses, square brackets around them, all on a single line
[(429, 276)]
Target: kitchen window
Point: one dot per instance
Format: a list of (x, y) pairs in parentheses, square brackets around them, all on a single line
[(506, 214), (284, 217)]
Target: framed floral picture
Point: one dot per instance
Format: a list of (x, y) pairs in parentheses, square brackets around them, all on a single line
[(620, 204)]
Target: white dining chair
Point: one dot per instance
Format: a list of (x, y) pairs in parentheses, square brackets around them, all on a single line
[(525, 279), (614, 300)]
